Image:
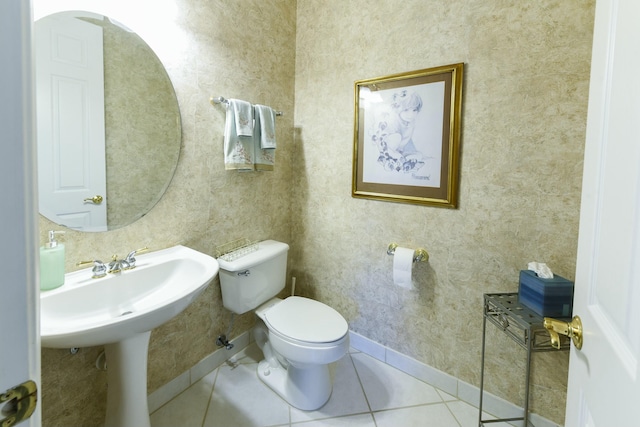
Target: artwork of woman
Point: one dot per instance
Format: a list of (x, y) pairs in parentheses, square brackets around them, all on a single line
[(393, 133)]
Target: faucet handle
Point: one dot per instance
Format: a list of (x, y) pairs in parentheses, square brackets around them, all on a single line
[(131, 258), (99, 268), (113, 265), (117, 265)]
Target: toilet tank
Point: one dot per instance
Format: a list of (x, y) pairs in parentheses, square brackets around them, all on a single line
[(254, 278)]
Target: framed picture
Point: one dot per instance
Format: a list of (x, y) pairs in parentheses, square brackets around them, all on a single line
[(407, 137)]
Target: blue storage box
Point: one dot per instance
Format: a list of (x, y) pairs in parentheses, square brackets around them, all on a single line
[(546, 297)]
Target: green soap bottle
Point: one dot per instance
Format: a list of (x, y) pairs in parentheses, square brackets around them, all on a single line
[(52, 263)]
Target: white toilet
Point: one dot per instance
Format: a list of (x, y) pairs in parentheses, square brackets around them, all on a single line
[(299, 337)]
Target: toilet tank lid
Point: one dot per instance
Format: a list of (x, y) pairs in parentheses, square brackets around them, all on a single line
[(306, 320), (267, 249)]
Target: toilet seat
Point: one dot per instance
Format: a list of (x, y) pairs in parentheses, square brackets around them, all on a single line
[(306, 320)]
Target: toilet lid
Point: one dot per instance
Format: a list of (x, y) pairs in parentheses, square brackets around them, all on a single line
[(307, 320)]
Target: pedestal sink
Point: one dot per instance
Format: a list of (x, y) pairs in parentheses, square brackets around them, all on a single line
[(119, 311)]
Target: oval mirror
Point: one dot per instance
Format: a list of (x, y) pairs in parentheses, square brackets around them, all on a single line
[(108, 122)]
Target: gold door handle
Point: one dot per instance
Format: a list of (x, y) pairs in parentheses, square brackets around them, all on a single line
[(20, 402), (96, 200), (572, 329)]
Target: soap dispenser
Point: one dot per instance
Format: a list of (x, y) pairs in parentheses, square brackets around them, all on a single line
[(51, 263)]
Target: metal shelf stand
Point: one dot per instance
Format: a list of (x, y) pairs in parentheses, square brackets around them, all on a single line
[(525, 328)]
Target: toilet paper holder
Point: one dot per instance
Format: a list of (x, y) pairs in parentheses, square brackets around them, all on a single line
[(419, 255)]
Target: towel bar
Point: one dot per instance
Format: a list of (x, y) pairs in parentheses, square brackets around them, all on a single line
[(223, 100)]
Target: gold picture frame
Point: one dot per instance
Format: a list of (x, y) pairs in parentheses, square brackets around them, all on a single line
[(407, 137)]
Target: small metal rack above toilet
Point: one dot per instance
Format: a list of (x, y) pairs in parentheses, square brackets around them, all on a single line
[(235, 249)]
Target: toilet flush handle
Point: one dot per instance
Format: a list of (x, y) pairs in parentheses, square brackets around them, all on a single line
[(244, 273)]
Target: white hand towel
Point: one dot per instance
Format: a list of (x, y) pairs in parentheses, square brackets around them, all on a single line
[(239, 151), (243, 115), (265, 157), (267, 119)]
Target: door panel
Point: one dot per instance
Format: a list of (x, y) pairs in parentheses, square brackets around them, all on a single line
[(19, 339), (603, 377)]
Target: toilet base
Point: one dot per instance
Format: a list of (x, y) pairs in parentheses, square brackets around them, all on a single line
[(307, 388)]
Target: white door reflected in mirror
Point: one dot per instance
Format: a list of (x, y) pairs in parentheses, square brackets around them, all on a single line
[(71, 133), (117, 135)]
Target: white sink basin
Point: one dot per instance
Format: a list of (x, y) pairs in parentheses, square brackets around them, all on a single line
[(119, 311), (88, 312)]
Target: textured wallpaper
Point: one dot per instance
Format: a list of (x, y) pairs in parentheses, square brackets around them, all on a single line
[(524, 115), (523, 130)]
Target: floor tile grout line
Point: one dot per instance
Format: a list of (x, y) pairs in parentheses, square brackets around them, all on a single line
[(315, 420), (213, 387), (442, 399), (417, 405), (438, 390), (364, 393), (446, 404)]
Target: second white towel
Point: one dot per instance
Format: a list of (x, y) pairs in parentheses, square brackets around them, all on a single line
[(264, 138), (267, 118)]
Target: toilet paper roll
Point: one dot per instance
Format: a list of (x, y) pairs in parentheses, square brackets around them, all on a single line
[(402, 265)]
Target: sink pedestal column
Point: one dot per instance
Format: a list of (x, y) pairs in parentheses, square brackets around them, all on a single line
[(127, 382)]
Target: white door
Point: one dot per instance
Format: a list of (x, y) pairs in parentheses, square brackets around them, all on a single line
[(71, 130), (604, 388), (19, 339)]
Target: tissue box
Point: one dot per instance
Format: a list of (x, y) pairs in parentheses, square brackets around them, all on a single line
[(546, 297)]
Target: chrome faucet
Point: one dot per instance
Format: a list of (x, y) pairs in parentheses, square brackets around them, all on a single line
[(131, 258), (117, 265), (99, 268)]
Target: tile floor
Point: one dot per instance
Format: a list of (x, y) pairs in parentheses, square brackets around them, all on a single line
[(366, 392)]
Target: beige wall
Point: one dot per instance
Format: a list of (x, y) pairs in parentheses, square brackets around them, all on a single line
[(524, 115)]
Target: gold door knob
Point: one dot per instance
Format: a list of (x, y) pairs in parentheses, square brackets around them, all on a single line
[(96, 200), (572, 329)]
